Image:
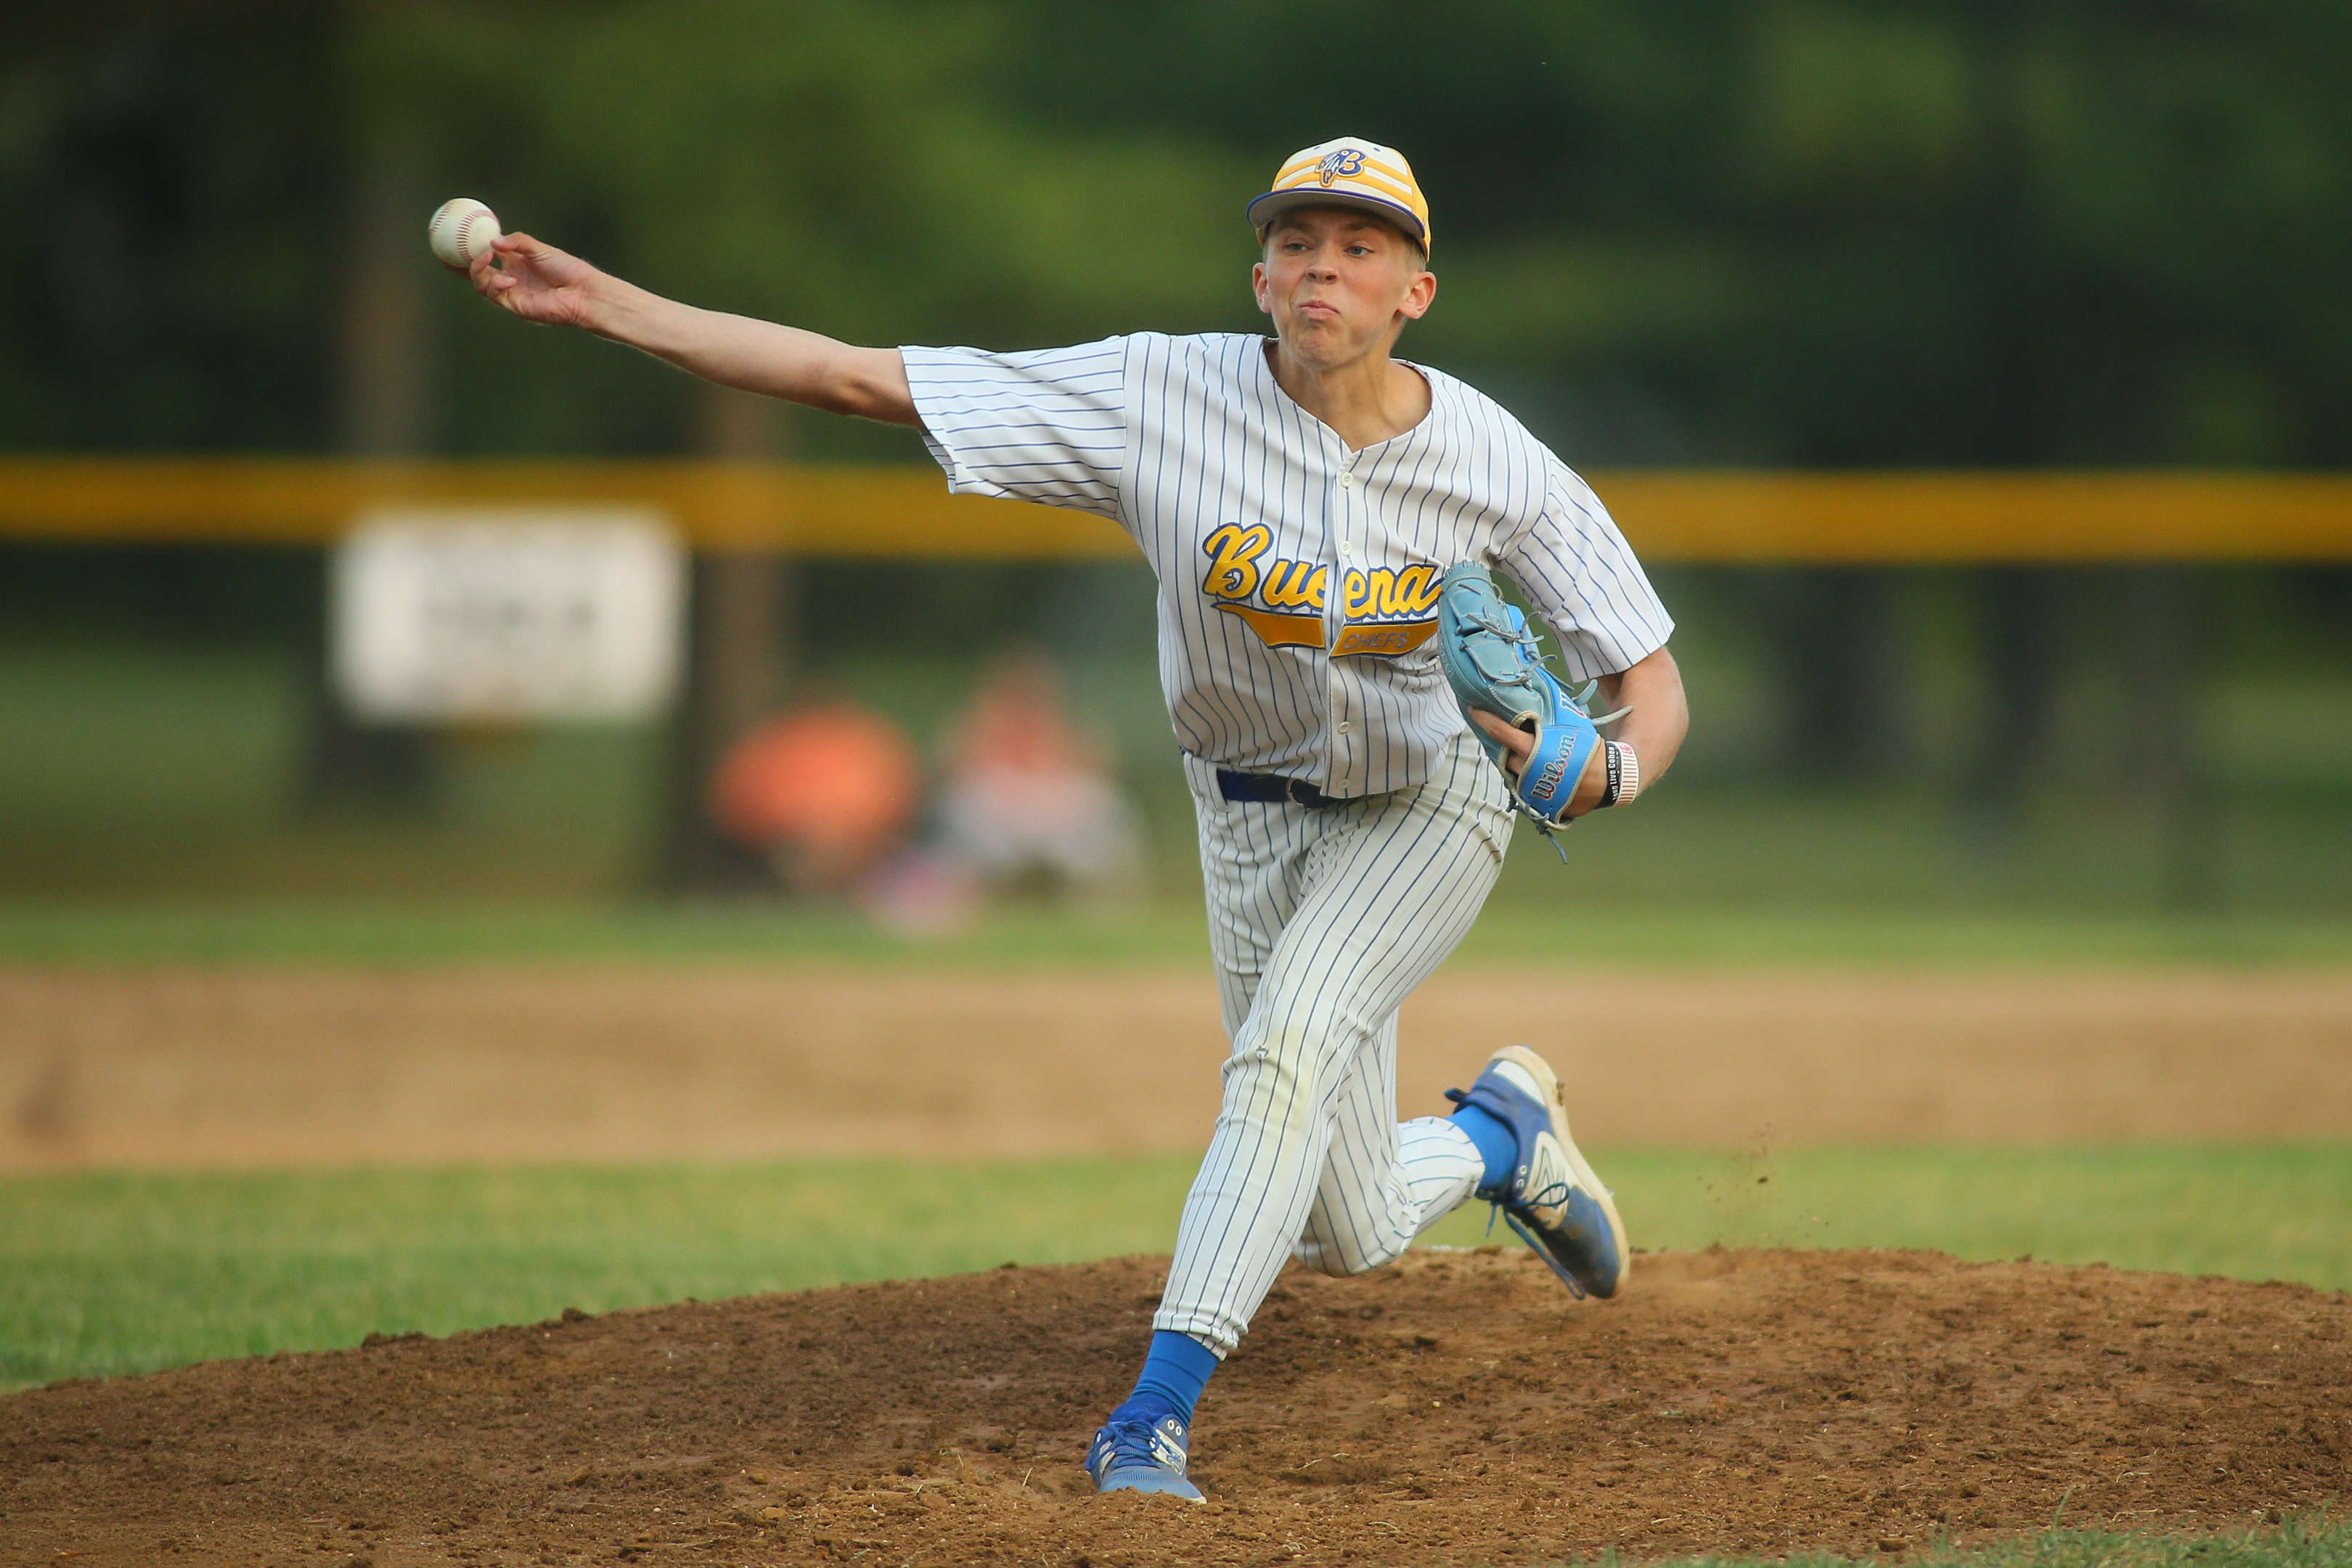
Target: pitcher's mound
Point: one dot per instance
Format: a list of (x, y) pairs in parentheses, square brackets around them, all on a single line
[(1454, 1408)]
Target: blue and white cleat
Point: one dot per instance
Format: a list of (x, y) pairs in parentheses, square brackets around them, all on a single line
[(1552, 1199), (1138, 1457)]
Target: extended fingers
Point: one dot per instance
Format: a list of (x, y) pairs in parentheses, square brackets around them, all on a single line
[(530, 253), (487, 278), (535, 281)]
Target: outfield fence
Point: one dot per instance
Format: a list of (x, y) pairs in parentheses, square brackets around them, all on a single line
[(1691, 517)]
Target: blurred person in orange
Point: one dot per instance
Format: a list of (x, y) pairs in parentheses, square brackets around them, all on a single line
[(1029, 803), (826, 793)]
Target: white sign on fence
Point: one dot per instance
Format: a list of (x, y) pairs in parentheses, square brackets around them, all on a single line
[(515, 612)]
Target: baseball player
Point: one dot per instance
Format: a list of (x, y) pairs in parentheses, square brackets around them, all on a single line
[(1305, 500)]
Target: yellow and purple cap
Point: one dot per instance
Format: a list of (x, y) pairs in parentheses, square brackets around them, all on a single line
[(1348, 173)]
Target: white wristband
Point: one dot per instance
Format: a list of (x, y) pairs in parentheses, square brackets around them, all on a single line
[(1629, 773)]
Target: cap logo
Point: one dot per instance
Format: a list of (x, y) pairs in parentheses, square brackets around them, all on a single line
[(1346, 161)]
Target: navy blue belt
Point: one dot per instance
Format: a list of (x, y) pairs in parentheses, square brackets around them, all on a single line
[(1271, 787)]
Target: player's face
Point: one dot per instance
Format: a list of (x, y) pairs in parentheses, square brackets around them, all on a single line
[(1339, 284)]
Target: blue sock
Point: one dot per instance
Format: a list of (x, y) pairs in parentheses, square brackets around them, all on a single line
[(1498, 1146), (1174, 1374)]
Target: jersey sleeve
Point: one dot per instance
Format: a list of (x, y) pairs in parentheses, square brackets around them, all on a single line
[(1048, 426), (1581, 575)]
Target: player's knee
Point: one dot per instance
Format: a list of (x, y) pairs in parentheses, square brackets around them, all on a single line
[(1342, 1260), (1301, 1056), (1327, 1260), (1343, 1251), (1277, 1067)]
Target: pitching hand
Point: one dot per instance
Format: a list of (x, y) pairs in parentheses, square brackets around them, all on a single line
[(1518, 745), (536, 282)]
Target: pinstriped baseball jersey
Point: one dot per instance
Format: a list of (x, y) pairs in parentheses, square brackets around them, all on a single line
[(1297, 577), (1297, 604)]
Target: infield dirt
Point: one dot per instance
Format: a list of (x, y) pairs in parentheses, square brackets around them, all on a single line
[(268, 1065), (1454, 1408)]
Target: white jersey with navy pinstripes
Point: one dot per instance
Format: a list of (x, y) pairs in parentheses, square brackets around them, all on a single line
[(1297, 577)]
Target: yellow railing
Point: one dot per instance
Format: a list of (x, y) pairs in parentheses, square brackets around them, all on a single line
[(1707, 516)]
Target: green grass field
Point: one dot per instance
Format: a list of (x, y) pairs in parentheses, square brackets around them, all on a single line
[(113, 1273), (144, 770), (103, 1274), (2314, 1542)]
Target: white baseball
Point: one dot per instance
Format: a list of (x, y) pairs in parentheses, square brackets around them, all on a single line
[(461, 231)]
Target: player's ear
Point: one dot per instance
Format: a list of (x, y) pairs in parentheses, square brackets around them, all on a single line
[(1258, 287), (1418, 295)]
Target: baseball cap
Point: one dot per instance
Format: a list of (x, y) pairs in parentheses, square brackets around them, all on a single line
[(1348, 173)]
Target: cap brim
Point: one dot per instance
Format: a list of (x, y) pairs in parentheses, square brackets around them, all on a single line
[(1274, 204)]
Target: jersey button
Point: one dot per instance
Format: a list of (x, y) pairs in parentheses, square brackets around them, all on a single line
[(1347, 481), (1343, 726)]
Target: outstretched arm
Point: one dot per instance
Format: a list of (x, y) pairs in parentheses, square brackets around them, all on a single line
[(543, 284)]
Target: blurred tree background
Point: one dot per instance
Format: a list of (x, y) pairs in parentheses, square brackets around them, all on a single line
[(1834, 233)]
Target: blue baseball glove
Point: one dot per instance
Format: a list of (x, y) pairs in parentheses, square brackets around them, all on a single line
[(1495, 666)]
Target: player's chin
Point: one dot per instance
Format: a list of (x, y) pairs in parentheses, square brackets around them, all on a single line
[(1320, 340)]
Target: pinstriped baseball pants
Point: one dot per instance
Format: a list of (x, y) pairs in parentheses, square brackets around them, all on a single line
[(1321, 921)]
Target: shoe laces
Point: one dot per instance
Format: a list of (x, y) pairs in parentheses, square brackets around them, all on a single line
[(1138, 1443), (1553, 1194), (1556, 1192)]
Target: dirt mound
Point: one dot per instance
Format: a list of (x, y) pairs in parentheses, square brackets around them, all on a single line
[(1457, 1407)]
